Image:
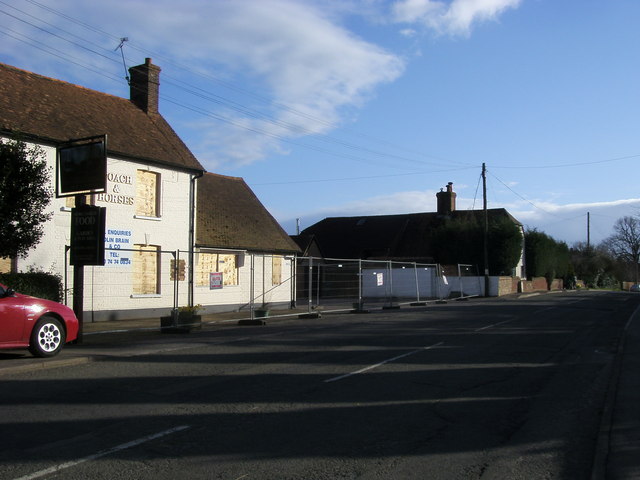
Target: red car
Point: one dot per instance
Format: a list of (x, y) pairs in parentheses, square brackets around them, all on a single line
[(42, 326)]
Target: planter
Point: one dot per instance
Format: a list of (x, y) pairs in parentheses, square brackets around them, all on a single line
[(261, 313), (181, 322)]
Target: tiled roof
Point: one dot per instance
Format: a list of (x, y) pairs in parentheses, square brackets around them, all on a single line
[(56, 111), (229, 215), (385, 236)]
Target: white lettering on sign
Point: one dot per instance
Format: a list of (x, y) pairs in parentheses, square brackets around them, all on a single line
[(117, 186), (117, 244)]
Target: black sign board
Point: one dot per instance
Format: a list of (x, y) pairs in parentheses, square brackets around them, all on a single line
[(87, 235), (82, 166)]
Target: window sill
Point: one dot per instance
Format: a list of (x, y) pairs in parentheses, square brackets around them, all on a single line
[(153, 219), (146, 295)]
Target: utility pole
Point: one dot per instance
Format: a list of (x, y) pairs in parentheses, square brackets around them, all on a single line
[(486, 230), (588, 231)]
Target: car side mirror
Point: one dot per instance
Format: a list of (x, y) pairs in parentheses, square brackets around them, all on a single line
[(9, 292)]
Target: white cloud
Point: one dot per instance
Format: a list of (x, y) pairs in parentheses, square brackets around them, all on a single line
[(456, 17), (313, 70), (287, 61)]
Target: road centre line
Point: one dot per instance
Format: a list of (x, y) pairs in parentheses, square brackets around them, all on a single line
[(103, 453), (371, 367), (510, 320), (493, 325)]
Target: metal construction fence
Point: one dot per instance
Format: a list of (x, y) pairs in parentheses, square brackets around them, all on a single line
[(338, 284), (148, 281)]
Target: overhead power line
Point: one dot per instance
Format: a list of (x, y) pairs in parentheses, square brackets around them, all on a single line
[(294, 129), (287, 128)]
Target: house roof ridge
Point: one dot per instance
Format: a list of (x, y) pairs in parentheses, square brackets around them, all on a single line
[(230, 177)]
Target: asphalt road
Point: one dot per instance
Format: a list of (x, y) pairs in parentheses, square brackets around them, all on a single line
[(490, 389)]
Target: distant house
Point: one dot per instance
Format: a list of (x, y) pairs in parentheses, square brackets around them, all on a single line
[(238, 240), (401, 237)]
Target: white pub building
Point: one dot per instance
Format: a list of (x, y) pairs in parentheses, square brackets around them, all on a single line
[(166, 245)]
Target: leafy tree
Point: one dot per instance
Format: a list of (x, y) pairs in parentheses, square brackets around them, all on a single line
[(505, 246), (595, 265), (545, 257), (457, 241), (624, 244), (25, 193), (461, 240)]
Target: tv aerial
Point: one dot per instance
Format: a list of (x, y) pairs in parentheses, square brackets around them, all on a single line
[(124, 64)]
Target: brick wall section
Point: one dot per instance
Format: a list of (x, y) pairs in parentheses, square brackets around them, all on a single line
[(539, 284)]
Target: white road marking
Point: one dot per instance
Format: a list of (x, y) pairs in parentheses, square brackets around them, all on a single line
[(370, 367), (492, 325), (103, 453)]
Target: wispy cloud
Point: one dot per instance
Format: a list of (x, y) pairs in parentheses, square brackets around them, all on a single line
[(302, 72), (456, 17), (311, 68)]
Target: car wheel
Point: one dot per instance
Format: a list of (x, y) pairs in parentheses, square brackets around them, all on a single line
[(47, 337)]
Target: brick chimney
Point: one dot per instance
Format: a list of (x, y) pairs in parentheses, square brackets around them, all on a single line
[(446, 200), (145, 86)]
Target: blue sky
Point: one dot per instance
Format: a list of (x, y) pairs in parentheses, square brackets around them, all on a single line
[(368, 107)]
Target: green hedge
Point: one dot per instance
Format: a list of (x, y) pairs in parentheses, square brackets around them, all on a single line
[(36, 284)]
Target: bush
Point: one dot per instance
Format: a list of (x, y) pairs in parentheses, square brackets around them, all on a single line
[(37, 284)]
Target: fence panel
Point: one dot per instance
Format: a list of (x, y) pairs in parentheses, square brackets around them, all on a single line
[(133, 283), (351, 283), (147, 281)]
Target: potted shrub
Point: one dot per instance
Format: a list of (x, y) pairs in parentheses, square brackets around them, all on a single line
[(182, 319), (262, 312)]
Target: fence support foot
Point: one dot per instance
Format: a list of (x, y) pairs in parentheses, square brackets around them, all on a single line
[(252, 322)]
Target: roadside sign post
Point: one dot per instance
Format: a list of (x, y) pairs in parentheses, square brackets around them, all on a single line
[(81, 170), (87, 248)]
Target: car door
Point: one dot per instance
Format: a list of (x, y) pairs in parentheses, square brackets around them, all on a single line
[(12, 318)]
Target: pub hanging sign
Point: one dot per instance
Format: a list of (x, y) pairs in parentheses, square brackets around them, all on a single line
[(87, 235)]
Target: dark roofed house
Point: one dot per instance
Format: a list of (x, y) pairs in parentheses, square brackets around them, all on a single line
[(401, 237)]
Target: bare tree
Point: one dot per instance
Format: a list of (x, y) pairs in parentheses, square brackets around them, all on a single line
[(624, 244)]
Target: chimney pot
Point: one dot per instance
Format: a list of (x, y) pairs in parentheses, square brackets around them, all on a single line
[(446, 200)]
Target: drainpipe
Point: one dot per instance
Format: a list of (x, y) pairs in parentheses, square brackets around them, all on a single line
[(192, 231)]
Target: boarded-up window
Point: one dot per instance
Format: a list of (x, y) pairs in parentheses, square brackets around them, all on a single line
[(147, 193), (227, 265), (276, 270), (5, 265), (146, 271), (216, 262), (207, 263)]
